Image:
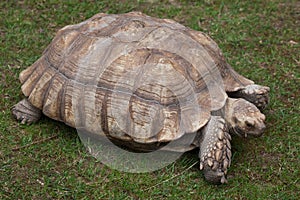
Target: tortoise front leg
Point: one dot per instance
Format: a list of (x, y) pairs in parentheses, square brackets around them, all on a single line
[(215, 150), (256, 94), (25, 112)]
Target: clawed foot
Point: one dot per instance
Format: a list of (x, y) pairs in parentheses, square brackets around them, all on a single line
[(256, 94), (25, 112), (215, 157)]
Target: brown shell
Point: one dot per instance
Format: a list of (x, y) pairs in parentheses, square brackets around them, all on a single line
[(132, 77)]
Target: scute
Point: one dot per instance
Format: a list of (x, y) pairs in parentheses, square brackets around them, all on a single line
[(132, 77)]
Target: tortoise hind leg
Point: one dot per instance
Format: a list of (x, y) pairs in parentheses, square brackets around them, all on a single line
[(256, 94), (215, 153), (25, 112)]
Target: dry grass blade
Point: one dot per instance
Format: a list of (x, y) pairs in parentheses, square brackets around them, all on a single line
[(35, 142), (173, 177)]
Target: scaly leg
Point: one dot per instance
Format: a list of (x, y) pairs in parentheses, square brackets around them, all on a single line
[(256, 94), (25, 112), (215, 153)]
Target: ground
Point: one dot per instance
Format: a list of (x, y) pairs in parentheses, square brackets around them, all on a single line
[(46, 160)]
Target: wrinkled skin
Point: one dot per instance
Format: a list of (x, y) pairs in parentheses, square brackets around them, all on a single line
[(246, 119)]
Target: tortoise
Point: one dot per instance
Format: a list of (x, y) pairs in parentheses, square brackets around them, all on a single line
[(144, 82)]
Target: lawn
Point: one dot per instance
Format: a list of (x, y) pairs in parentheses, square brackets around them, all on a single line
[(46, 160)]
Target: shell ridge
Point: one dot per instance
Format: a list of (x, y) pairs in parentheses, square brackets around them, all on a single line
[(216, 53), (54, 99), (33, 83), (67, 52), (31, 69), (63, 100), (238, 78), (48, 89), (103, 114)]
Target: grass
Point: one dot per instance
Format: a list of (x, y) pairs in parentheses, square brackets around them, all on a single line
[(259, 38)]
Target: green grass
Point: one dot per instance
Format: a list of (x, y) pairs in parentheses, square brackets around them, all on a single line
[(259, 38)]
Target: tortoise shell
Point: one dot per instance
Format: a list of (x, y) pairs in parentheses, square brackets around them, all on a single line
[(132, 77)]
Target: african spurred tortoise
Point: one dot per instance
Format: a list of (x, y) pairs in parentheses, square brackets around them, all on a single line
[(143, 81)]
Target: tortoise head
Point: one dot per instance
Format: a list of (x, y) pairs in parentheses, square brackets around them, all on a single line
[(245, 118)]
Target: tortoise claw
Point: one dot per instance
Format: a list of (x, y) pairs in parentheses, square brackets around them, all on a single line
[(258, 95), (25, 112)]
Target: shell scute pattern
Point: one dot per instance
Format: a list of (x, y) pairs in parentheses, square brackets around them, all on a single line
[(102, 72)]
